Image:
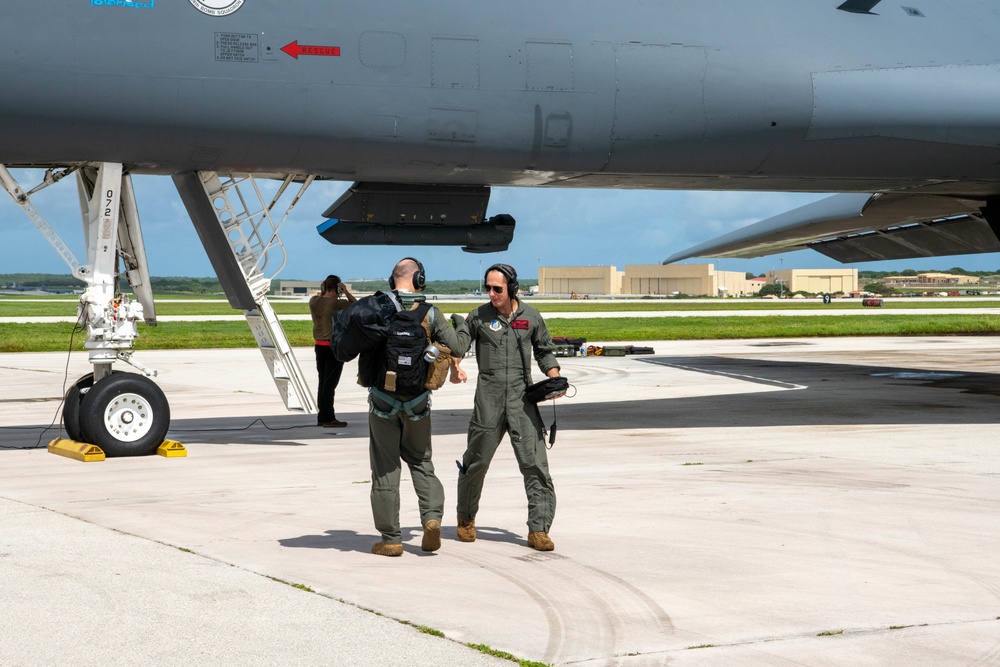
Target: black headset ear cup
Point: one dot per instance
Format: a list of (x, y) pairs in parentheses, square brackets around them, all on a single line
[(419, 277), (508, 273), (512, 283)]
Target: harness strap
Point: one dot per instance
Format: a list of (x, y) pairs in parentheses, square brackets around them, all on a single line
[(397, 405)]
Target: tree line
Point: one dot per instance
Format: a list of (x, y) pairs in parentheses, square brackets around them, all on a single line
[(67, 283), (183, 285)]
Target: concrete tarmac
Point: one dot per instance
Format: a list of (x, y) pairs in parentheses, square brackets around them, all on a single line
[(759, 502)]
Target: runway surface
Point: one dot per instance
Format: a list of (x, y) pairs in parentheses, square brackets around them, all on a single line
[(759, 502)]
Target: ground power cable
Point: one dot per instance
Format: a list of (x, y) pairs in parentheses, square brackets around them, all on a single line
[(77, 328)]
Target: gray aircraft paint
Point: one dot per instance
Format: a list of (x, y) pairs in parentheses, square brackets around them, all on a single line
[(766, 95), (769, 95)]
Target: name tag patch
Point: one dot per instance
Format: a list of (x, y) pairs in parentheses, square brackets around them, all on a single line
[(519, 324)]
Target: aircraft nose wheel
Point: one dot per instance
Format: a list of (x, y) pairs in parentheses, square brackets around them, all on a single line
[(125, 415), (71, 407), (129, 417)]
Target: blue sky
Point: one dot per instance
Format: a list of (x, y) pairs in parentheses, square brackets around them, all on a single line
[(555, 227)]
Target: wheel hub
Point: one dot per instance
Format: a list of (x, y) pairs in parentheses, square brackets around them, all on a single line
[(128, 417)]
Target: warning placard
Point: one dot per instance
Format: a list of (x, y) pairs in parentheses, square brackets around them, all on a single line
[(236, 47)]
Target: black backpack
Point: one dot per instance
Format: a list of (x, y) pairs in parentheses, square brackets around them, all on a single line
[(405, 369), (362, 326)]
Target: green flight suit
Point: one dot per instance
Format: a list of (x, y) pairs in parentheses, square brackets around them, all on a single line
[(504, 348), (399, 429)]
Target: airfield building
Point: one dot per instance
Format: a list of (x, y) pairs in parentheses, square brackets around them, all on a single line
[(579, 279), (645, 280), (298, 287), (930, 280), (301, 287), (689, 279), (816, 281)]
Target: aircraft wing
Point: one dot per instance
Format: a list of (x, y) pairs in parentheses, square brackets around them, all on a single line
[(862, 228)]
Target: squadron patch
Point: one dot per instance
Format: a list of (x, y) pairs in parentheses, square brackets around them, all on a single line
[(495, 325), (217, 7), (519, 324)]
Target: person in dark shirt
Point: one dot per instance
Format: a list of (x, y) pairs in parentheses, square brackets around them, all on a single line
[(334, 296)]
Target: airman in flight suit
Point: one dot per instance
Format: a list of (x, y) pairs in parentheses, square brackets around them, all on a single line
[(506, 332)]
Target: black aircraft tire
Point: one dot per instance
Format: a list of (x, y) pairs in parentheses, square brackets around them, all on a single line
[(125, 414), (71, 407)]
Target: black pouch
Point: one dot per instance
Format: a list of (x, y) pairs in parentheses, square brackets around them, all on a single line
[(545, 389)]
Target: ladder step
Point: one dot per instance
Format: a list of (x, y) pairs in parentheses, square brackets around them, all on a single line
[(278, 355), (252, 237)]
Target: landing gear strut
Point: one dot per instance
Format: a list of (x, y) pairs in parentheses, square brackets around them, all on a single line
[(124, 414)]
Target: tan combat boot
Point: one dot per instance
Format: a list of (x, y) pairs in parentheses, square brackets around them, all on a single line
[(540, 541), (385, 549), (432, 536), (466, 530)]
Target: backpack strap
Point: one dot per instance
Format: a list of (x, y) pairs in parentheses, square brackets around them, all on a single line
[(421, 309), (424, 311), (392, 298), (397, 405)]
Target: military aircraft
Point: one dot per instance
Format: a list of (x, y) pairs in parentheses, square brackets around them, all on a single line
[(426, 105)]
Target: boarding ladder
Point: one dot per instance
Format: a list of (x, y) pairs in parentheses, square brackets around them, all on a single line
[(243, 222)]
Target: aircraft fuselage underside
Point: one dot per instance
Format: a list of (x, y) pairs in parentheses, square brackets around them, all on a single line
[(772, 95)]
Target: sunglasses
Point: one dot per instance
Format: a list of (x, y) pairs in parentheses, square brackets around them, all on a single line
[(495, 288)]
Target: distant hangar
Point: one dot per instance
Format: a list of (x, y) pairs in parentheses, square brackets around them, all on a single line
[(690, 279)]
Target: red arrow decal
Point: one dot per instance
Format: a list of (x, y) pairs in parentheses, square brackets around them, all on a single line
[(295, 50)]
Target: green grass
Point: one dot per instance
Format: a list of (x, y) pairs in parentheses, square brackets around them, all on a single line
[(197, 335), (483, 648), (751, 304), (830, 633), (430, 631), (301, 587), (167, 336), (785, 326)]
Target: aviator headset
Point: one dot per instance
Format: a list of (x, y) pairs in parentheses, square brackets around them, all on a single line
[(509, 273), (419, 277)]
